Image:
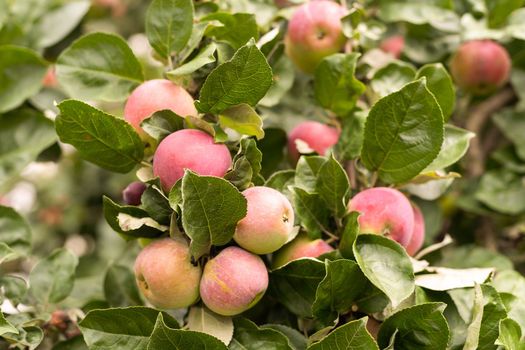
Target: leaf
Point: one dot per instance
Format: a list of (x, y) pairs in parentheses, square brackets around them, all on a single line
[(27, 338), (211, 208), (333, 186), (281, 180), (54, 25), (243, 79), (349, 235), (473, 330), (454, 147), (51, 280), (15, 232), (510, 335), (420, 13), (248, 336), (156, 204), (200, 319), (169, 24), (164, 337), (246, 165), (14, 288), (6, 326), (493, 312), (499, 10), (351, 138), (403, 133), (444, 278), (120, 288), (98, 66), (162, 123), (21, 73), (283, 78), (336, 87), (392, 77), (295, 284), (235, 29), (306, 172), (311, 211), (502, 191), (272, 147), (121, 328), (335, 295), (137, 222), (512, 125), (386, 264), (352, 335), (243, 119), (418, 327), (296, 340), (440, 84), (204, 57), (7, 254), (100, 138)]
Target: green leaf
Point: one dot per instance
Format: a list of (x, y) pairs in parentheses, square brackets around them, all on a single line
[(512, 125), (336, 87), (281, 180), (295, 284), (121, 328), (169, 24), (499, 10), (473, 331), (386, 264), (6, 326), (296, 340), (162, 123), (14, 231), (349, 235), (120, 288), (248, 336), (510, 335), (334, 294), (306, 172), (15, 152), (200, 319), (440, 84), (100, 138), (351, 138), (311, 211), (502, 191), (493, 312), (243, 119), (272, 147), (235, 29), (156, 204), (6, 253), (21, 73), (283, 78), (455, 145), (28, 337), (246, 165), (352, 335), (14, 288), (211, 208), (332, 186), (243, 79), (164, 337), (420, 13), (131, 221), (392, 77), (51, 280), (204, 57), (403, 133), (99, 66)]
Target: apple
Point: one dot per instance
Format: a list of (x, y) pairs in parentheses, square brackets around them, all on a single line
[(189, 149), (393, 45), (50, 79), (155, 95), (300, 247), (314, 135), (233, 281), (268, 223), (133, 192), (384, 211), (314, 32), (480, 66), (418, 235), (165, 275)]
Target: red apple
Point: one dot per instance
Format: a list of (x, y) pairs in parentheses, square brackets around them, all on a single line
[(316, 136), (300, 247)]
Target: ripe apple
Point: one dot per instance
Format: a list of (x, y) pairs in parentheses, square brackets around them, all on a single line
[(300, 247), (189, 149), (480, 66), (393, 45), (155, 95), (384, 211), (316, 136), (133, 192), (233, 281), (418, 235), (314, 32), (165, 274), (268, 223)]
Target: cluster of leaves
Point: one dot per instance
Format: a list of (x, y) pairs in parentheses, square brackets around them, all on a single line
[(393, 117)]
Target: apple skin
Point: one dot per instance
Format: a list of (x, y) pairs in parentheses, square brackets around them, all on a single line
[(314, 32), (418, 235), (189, 149), (480, 67), (156, 95), (300, 247), (165, 275), (384, 211), (233, 281), (319, 137), (393, 45), (133, 192), (50, 79), (268, 223)]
